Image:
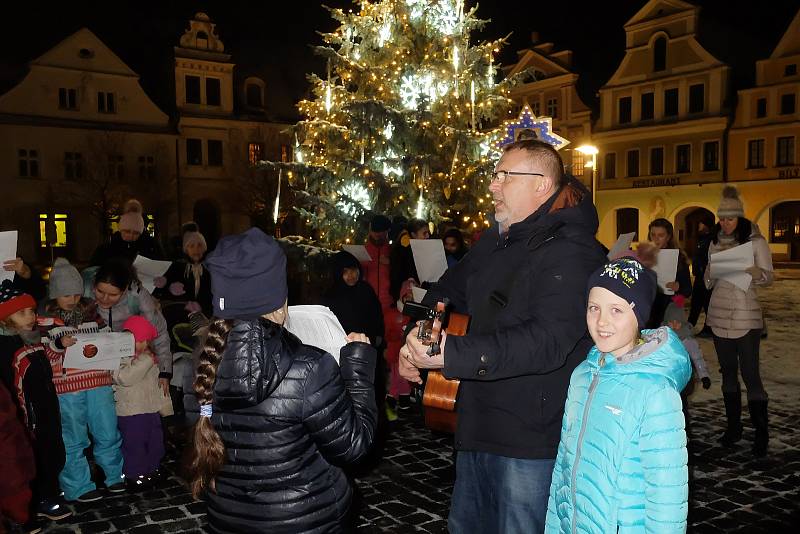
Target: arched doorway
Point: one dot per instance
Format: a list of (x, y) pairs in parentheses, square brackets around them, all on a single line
[(785, 227), (206, 215), (687, 223)]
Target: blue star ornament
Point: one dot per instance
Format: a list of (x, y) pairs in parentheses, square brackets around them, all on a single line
[(529, 126)]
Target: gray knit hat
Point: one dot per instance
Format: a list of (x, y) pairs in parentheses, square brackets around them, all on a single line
[(65, 279), (730, 205)]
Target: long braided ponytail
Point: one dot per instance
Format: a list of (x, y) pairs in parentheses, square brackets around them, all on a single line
[(207, 451)]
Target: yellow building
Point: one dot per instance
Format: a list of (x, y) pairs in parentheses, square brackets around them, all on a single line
[(222, 132), (763, 154), (548, 88), (662, 124), (82, 135)]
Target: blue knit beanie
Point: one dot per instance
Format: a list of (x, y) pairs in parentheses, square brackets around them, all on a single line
[(248, 275), (629, 280)]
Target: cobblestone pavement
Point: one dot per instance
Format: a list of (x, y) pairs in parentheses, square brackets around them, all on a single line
[(409, 490)]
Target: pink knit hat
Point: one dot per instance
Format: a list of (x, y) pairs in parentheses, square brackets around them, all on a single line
[(140, 327)]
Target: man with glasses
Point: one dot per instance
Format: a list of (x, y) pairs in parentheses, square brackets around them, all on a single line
[(524, 286)]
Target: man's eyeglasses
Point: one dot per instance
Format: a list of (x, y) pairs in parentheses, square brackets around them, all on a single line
[(501, 177)]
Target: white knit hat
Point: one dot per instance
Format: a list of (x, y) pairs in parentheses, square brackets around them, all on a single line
[(730, 205), (194, 237)]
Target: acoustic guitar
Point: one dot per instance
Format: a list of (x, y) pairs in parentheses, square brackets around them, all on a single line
[(439, 398)]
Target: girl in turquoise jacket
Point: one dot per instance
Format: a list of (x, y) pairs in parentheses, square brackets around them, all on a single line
[(621, 464)]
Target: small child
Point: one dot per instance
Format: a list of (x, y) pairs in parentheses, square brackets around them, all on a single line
[(25, 372), (85, 396), (139, 398), (622, 460), (675, 318)]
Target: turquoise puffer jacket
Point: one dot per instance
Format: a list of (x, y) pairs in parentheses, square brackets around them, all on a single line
[(621, 464)]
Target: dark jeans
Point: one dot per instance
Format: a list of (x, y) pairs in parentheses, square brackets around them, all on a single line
[(700, 299), (741, 352), (496, 494)]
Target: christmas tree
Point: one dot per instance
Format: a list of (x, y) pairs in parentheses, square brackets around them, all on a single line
[(403, 121)]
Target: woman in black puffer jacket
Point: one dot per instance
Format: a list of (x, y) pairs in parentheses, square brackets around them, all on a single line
[(278, 418)]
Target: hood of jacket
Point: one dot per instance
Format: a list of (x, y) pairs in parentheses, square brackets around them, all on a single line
[(568, 213), (661, 353), (258, 353)]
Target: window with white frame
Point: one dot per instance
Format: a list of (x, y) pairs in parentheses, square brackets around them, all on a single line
[(73, 165), (106, 102), (67, 98), (28, 159)]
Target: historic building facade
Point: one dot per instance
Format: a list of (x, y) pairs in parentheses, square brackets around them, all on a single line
[(763, 153), (661, 129), (548, 88), (84, 136)]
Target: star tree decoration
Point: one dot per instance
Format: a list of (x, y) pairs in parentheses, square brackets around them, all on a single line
[(402, 120), (532, 127)]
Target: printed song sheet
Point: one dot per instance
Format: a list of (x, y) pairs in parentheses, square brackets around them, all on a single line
[(317, 326), (667, 268), (429, 259), (148, 270), (8, 251), (359, 251), (102, 350), (730, 265), (623, 244)]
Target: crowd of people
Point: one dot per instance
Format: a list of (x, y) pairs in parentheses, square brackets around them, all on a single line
[(574, 373)]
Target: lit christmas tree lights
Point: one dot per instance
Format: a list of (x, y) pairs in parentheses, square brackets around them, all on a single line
[(406, 122)]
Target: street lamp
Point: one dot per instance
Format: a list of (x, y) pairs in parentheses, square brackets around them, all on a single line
[(591, 150)]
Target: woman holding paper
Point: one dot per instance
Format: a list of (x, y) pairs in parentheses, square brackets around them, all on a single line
[(736, 321), (662, 235), (278, 419)]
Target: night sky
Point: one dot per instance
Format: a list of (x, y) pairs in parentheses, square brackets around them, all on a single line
[(272, 38)]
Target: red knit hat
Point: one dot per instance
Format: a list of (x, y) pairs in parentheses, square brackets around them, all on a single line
[(140, 327), (13, 300)]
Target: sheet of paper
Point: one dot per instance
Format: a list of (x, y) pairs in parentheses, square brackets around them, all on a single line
[(623, 244), (8, 251), (429, 258), (359, 251), (730, 265), (418, 293), (99, 351), (148, 270), (667, 268), (317, 326)]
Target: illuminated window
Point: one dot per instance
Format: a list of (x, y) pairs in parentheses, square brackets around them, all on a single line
[(28, 163), (255, 153), (577, 163), (53, 230)]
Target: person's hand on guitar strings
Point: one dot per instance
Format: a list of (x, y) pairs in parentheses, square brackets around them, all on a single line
[(415, 354)]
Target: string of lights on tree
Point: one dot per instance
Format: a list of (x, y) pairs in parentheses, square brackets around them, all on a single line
[(405, 121)]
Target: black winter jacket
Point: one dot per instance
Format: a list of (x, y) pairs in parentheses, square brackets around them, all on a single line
[(526, 293), (289, 418)]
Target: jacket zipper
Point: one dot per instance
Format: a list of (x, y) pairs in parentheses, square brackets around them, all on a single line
[(592, 388)]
